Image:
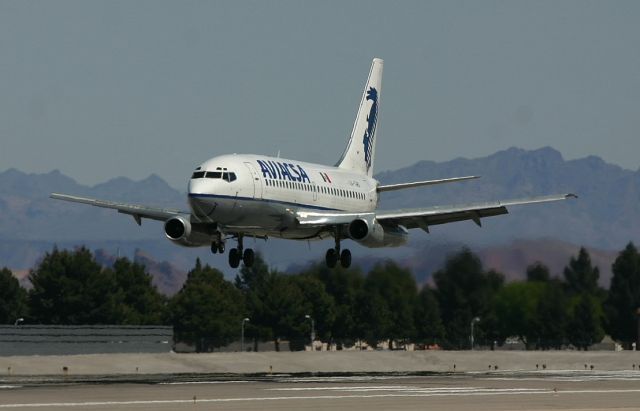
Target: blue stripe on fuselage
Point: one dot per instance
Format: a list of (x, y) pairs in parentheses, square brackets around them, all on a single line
[(313, 207)]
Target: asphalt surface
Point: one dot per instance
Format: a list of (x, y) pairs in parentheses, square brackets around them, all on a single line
[(543, 390)]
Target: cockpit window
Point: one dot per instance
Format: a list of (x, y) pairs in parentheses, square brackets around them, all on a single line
[(229, 176), (224, 175)]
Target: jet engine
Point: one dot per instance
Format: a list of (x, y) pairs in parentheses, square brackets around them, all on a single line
[(180, 230), (370, 233)]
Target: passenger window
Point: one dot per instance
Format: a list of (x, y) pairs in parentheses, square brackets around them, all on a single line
[(198, 174)]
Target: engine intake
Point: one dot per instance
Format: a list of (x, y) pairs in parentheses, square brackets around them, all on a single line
[(370, 233), (177, 228), (358, 229)]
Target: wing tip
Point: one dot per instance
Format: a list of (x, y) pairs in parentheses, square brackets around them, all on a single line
[(570, 195)]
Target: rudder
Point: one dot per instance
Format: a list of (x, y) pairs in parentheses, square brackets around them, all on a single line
[(361, 149)]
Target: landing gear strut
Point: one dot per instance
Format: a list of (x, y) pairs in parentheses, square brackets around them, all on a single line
[(334, 254), (239, 254), (217, 246)]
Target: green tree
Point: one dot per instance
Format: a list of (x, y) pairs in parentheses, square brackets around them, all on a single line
[(428, 323), (70, 287), (623, 300), (585, 315), (580, 275), (515, 307), (138, 300), (275, 304), (345, 287), (322, 306), (538, 272), (208, 310), (252, 283), (13, 298), (393, 290), (551, 317), (284, 309), (465, 291), (375, 319), (585, 321)]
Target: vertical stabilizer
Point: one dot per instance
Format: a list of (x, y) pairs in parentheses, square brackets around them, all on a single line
[(361, 149)]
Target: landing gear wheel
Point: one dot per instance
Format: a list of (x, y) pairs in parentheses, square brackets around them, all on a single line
[(345, 258), (214, 248), (234, 258), (221, 248), (331, 258), (248, 257)]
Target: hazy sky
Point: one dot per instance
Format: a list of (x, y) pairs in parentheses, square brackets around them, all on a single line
[(100, 89)]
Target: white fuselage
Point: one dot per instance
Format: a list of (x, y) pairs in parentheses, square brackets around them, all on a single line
[(260, 195)]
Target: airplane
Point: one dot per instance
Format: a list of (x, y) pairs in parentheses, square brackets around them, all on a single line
[(245, 195)]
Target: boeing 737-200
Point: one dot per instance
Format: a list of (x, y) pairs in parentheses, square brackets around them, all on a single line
[(245, 195)]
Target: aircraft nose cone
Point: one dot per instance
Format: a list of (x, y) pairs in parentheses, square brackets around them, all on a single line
[(202, 207)]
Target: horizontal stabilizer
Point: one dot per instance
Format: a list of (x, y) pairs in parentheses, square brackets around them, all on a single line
[(402, 186)]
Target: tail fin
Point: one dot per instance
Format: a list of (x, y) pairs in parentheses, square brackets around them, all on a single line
[(361, 149)]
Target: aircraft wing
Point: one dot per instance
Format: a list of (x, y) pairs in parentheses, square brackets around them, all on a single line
[(137, 211), (425, 217), (402, 186), (428, 216)]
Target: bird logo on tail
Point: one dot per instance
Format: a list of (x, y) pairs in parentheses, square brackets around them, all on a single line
[(372, 120)]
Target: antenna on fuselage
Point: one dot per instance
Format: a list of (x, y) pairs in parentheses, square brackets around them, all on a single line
[(278, 155)]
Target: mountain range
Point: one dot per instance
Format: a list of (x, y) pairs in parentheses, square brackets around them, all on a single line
[(604, 218)]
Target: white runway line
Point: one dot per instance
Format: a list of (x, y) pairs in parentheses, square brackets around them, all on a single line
[(413, 389), (319, 397), (203, 382)]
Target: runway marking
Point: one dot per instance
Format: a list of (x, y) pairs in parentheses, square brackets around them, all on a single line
[(9, 387), (203, 382), (319, 397), (345, 378), (412, 389)]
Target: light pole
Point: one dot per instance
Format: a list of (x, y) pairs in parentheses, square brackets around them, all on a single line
[(638, 333), (473, 322), (313, 329), (244, 320), (18, 321)]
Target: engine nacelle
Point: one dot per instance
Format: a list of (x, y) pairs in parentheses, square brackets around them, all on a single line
[(370, 233), (180, 231)]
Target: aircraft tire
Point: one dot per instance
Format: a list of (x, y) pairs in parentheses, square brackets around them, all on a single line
[(248, 257), (345, 258), (331, 258), (221, 248), (214, 248), (234, 258)]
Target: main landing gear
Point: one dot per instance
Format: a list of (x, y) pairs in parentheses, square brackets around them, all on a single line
[(235, 254), (334, 254)]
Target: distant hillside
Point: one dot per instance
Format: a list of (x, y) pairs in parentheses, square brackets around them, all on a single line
[(605, 217)]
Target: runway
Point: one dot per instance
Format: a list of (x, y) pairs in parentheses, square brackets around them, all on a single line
[(470, 391)]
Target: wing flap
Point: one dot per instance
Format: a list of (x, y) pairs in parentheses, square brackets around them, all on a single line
[(316, 219), (137, 211)]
